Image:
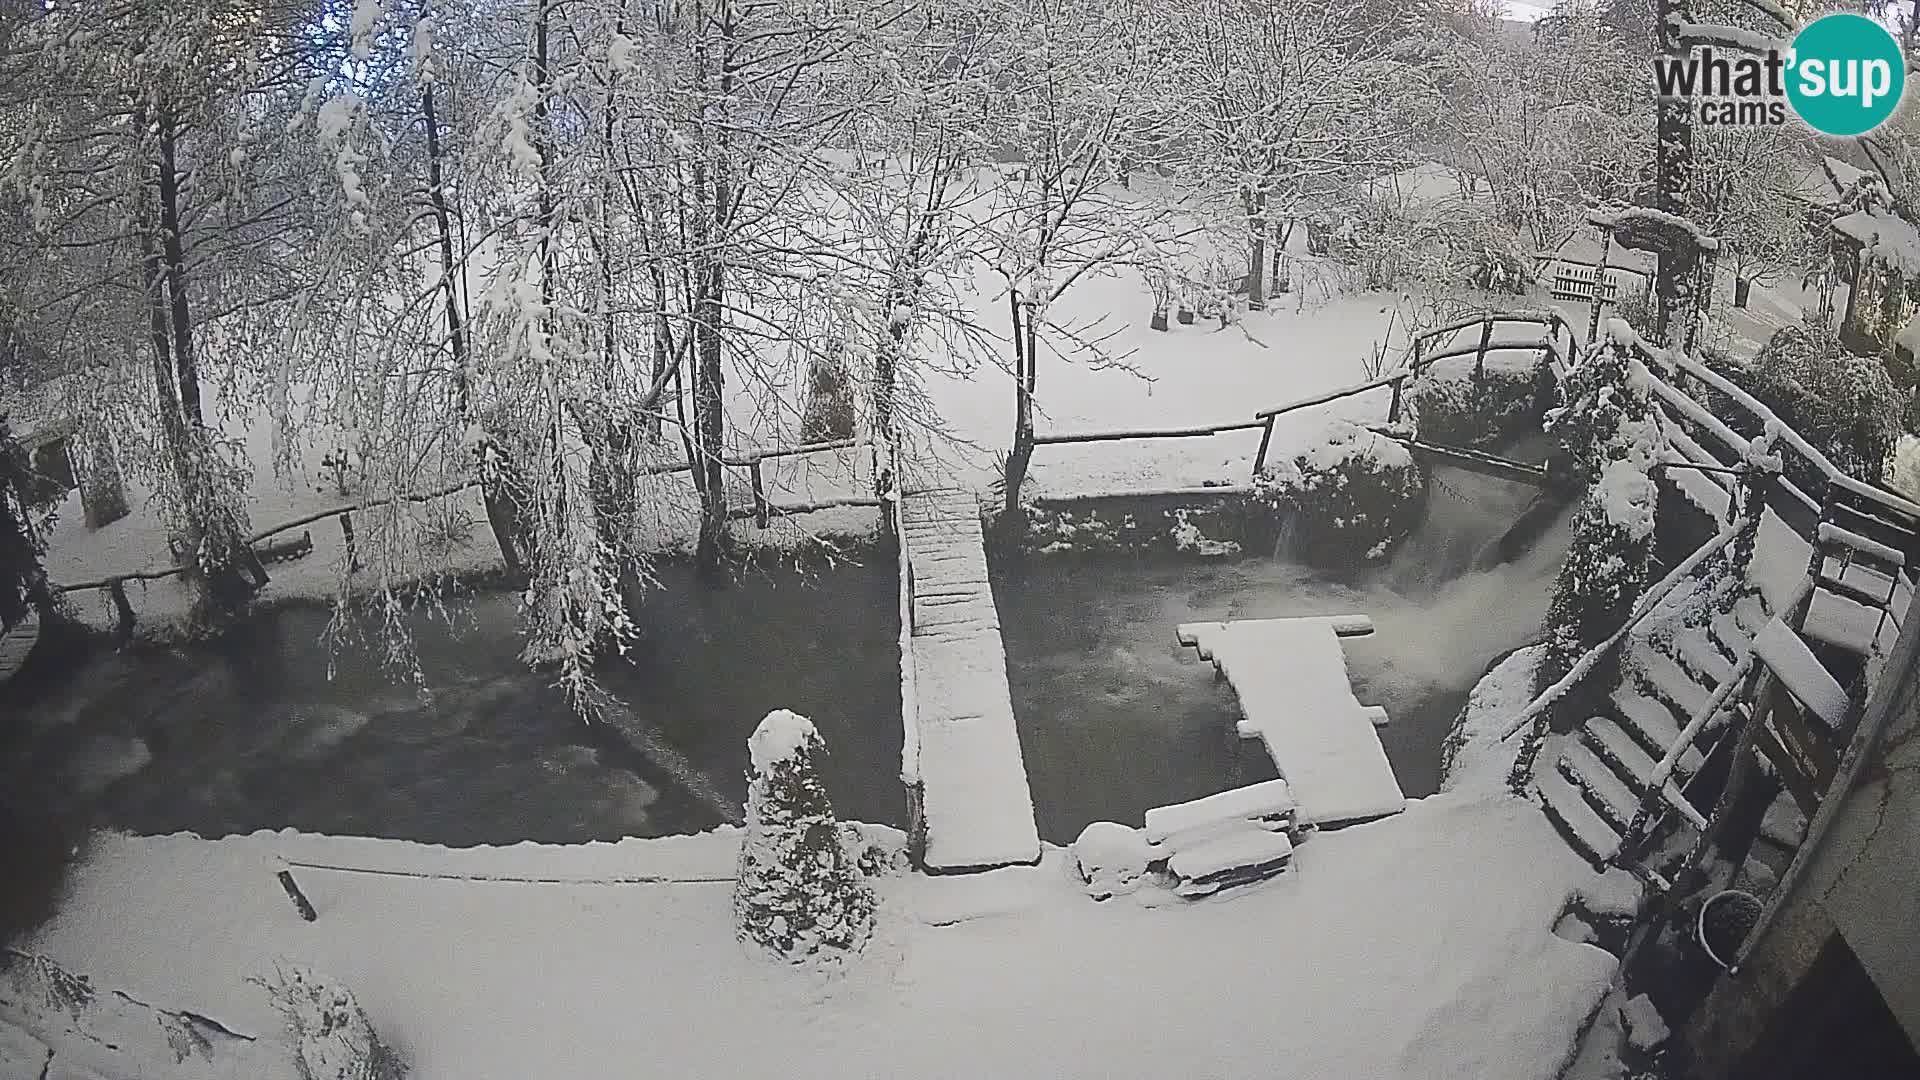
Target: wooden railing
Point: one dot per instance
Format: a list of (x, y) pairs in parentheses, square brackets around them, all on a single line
[(1556, 344), (762, 511)]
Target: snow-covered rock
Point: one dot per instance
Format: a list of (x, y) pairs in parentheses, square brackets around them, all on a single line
[(1646, 1031), (1111, 859), (1473, 758)]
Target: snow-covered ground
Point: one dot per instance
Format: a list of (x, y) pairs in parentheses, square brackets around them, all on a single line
[(1418, 946)]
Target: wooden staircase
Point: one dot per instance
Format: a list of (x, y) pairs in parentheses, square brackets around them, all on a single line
[(1603, 769), (1855, 593)]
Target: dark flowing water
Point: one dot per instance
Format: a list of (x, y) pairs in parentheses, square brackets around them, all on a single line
[(1116, 717), (250, 732)]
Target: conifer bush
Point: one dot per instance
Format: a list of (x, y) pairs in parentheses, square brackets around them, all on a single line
[(800, 892), (1608, 436)]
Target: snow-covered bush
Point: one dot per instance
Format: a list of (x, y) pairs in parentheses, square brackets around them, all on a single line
[(1351, 491), (1606, 408), (332, 1038), (1845, 404), (1606, 569), (1609, 435), (1456, 402), (800, 892), (1111, 859), (829, 409)]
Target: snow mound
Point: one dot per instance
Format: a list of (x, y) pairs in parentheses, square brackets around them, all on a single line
[(1475, 760), (778, 738), (1112, 859), (1645, 1030)]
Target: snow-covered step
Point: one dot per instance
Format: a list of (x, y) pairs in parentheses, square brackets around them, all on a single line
[(1603, 789), (1179, 826), (1238, 857), (1695, 649), (1848, 624), (1583, 829), (1728, 634), (1802, 673), (1621, 751), (1651, 724), (1670, 682)]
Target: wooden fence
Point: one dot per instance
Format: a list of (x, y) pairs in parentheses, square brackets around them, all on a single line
[(1553, 340), (762, 511)]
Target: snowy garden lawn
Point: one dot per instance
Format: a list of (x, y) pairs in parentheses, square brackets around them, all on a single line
[(1418, 946)]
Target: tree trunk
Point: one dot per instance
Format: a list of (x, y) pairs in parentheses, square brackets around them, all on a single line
[(173, 243), (1741, 287), (1021, 453), (1673, 183), (1256, 251), (709, 404)]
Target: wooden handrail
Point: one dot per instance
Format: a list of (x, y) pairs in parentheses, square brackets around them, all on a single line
[(1334, 395), (1648, 601), (1680, 362), (1151, 433)]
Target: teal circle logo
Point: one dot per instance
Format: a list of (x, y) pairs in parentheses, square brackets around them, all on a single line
[(1846, 74)]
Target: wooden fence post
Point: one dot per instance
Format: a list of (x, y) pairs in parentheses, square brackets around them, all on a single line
[(123, 611), (1260, 458), (760, 517), (1393, 411), (1480, 357)]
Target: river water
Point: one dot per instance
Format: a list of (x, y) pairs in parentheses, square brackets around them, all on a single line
[(1116, 717), (253, 731), (250, 732)]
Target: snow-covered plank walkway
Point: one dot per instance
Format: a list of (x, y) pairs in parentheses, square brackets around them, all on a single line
[(976, 807), (1291, 678)]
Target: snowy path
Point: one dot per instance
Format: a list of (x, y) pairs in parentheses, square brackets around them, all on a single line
[(1426, 952), (1291, 678), (975, 804)]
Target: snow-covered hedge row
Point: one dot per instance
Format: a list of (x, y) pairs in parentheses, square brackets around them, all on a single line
[(1456, 404), (1216, 529), (1349, 494)]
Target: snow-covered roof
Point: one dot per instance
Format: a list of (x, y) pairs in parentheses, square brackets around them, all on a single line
[(1585, 246), (1885, 238)]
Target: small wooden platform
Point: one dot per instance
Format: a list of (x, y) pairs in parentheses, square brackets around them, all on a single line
[(1291, 678)]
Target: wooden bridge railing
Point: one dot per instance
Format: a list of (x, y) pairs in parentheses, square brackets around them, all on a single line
[(762, 511), (1556, 344)]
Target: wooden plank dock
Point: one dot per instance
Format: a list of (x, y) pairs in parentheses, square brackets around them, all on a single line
[(1291, 678)]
